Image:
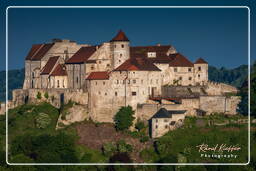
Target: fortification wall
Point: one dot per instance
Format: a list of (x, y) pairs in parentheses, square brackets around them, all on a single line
[(55, 96), (221, 104), (214, 88)]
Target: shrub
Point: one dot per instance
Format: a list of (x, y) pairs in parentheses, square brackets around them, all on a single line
[(144, 139), (39, 96), (139, 125), (123, 147), (109, 148), (42, 120), (46, 95), (124, 118)]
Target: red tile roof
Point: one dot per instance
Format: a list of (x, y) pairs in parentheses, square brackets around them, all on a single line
[(38, 51), (49, 65), (161, 53), (120, 37), (82, 55), (59, 70), (200, 61), (137, 64), (33, 50), (180, 61), (98, 76)]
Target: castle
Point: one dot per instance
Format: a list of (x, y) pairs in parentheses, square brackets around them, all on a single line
[(113, 74)]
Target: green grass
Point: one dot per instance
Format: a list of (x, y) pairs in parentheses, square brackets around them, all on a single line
[(184, 141)]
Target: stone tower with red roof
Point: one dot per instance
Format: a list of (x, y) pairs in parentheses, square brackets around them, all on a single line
[(120, 48)]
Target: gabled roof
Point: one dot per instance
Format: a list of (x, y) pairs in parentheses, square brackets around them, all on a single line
[(59, 70), (163, 113), (82, 55), (98, 76), (49, 65), (180, 61), (137, 64), (161, 53), (120, 37), (38, 51), (200, 61), (33, 50)]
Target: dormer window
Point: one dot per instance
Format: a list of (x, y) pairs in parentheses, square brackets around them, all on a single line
[(151, 54)]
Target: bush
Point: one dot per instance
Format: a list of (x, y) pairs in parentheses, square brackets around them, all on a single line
[(109, 148), (139, 125), (46, 95), (124, 118), (123, 147), (39, 95), (144, 139), (42, 120)]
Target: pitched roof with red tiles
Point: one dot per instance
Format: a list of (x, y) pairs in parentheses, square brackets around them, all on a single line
[(59, 70), (137, 64), (120, 37), (98, 76), (82, 55), (38, 51), (49, 65), (200, 61), (180, 61), (161, 53), (33, 50)]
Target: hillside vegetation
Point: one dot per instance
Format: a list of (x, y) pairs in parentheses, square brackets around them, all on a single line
[(34, 139)]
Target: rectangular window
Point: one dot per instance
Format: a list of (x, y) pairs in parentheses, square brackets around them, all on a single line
[(198, 75), (134, 81), (166, 120), (199, 68), (115, 93), (190, 78), (180, 78), (175, 69), (151, 54), (133, 93), (103, 82), (189, 69), (58, 83), (117, 81), (128, 81), (122, 45), (166, 126), (156, 126)]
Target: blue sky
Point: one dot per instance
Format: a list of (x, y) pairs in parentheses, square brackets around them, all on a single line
[(217, 35)]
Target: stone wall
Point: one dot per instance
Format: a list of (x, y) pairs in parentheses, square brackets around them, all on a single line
[(21, 96), (222, 104), (214, 88)]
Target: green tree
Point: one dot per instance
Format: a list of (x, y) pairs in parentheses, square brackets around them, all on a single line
[(46, 95), (139, 125), (39, 95), (124, 118), (43, 120)]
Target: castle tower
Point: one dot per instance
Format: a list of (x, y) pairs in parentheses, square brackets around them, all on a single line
[(201, 71), (120, 49)]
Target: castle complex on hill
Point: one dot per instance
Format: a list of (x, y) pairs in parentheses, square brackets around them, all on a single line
[(157, 81)]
